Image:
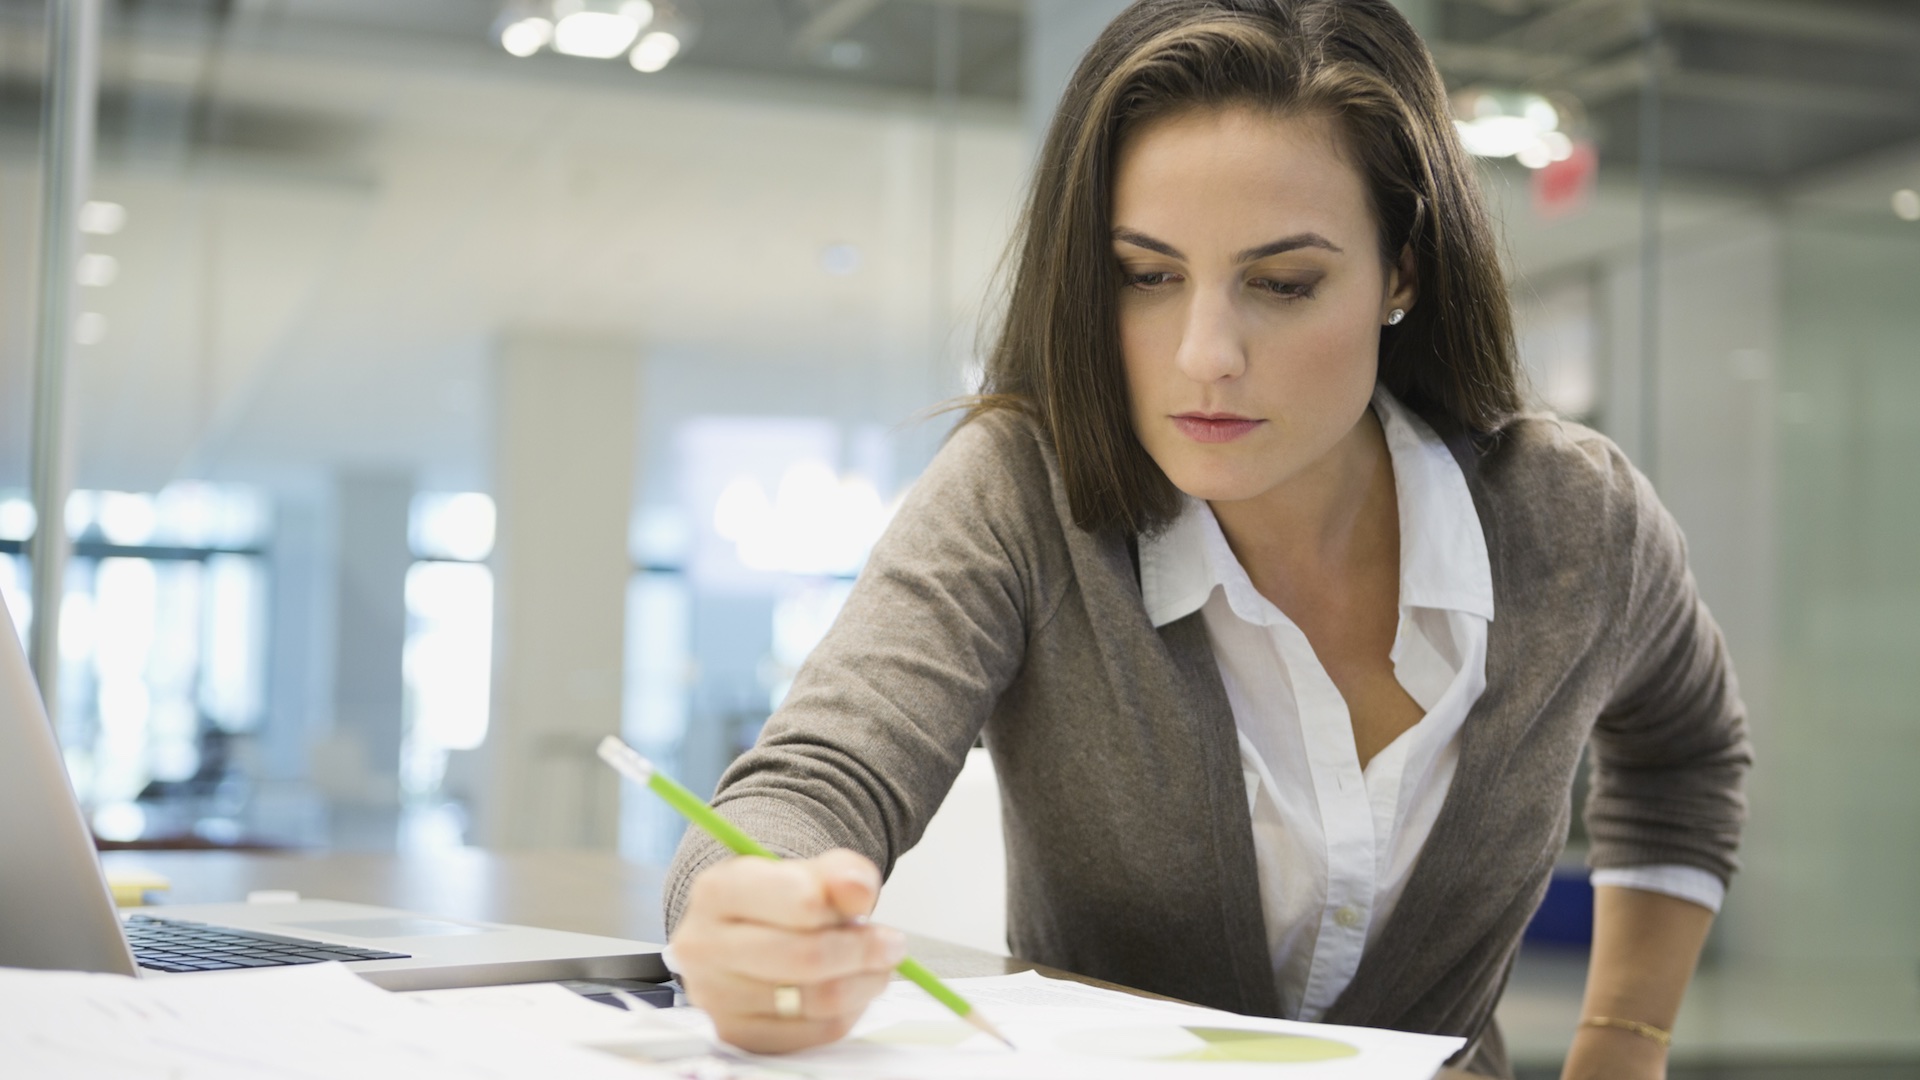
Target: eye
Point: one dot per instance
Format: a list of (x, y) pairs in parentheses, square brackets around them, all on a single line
[(1286, 290), (1149, 280)]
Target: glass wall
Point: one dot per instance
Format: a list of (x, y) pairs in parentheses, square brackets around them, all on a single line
[(1719, 288), (321, 239), (444, 395)]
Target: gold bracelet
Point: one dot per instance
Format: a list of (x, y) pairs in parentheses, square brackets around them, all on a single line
[(1659, 1035)]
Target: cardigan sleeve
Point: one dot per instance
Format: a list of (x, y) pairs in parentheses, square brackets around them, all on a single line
[(881, 716), (1670, 750)]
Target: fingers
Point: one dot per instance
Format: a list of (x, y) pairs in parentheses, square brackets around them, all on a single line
[(778, 956), (801, 894), (724, 993), (851, 880), (752, 925), (757, 1035), (743, 1009)]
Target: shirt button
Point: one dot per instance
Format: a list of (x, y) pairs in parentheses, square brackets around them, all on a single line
[(1348, 916)]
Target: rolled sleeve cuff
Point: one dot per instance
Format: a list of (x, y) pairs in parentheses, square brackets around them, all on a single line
[(1689, 883)]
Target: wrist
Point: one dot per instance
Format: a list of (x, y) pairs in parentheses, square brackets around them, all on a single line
[(1605, 1053), (1651, 1032)]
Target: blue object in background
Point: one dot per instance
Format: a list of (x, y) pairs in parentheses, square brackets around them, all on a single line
[(1565, 916)]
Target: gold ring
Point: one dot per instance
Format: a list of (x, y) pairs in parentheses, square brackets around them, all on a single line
[(786, 1002)]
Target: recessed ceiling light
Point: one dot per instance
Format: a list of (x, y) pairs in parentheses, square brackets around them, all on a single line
[(655, 51), (1508, 123), (597, 35), (524, 37), (1906, 204), (102, 218), (96, 269)]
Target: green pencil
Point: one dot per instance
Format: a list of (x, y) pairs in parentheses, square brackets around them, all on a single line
[(695, 809)]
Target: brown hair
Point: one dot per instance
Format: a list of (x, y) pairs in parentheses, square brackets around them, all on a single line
[(1357, 62)]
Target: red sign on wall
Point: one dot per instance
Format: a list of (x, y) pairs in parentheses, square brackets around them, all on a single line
[(1564, 188)]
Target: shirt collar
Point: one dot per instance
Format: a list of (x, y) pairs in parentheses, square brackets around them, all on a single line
[(1443, 552)]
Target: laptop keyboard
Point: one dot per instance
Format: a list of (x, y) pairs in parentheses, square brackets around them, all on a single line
[(175, 945)]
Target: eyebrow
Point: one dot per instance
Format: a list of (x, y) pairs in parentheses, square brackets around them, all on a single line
[(1252, 254)]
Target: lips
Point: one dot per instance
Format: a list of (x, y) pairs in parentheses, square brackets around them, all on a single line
[(1214, 427)]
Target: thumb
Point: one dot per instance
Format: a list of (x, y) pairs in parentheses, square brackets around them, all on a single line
[(850, 880)]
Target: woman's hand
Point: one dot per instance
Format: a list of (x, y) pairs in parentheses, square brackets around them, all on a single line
[(754, 927), (1612, 1054)]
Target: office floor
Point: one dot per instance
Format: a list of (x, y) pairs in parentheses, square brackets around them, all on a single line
[(1858, 1023)]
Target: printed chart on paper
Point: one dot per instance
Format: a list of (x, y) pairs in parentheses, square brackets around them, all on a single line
[(1065, 1031)]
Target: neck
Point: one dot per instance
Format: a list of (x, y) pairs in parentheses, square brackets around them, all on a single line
[(1337, 514)]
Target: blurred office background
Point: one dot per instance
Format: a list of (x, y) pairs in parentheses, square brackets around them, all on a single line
[(443, 397)]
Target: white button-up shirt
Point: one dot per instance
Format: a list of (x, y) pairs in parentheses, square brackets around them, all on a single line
[(1335, 842)]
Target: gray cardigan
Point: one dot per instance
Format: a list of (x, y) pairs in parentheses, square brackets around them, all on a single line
[(985, 610)]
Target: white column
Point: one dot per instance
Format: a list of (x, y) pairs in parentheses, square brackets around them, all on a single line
[(357, 764), (286, 804), (70, 91), (566, 416)]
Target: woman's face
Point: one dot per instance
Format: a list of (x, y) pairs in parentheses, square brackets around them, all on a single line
[(1252, 299)]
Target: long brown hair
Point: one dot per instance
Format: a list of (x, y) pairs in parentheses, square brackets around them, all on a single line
[(1357, 62)]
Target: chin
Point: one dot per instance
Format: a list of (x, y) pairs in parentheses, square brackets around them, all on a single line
[(1216, 484)]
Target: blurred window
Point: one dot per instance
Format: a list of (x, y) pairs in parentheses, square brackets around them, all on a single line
[(162, 651), (448, 660), (775, 518)]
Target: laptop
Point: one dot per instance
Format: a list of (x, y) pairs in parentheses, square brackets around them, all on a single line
[(56, 911)]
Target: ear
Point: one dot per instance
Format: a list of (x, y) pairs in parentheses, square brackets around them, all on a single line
[(1403, 283)]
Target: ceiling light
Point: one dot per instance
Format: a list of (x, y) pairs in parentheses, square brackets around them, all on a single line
[(102, 218), (1906, 204), (1540, 113), (1540, 151), (1497, 136), (654, 52), (524, 37), (1507, 123), (597, 35), (1533, 155), (96, 269)]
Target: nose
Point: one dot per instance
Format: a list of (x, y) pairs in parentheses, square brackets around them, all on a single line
[(1212, 345)]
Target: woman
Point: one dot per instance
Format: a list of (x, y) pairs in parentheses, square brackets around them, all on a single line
[(1284, 627)]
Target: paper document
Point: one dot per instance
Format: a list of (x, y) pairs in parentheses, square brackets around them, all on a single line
[(1069, 1031), (292, 1023), (551, 1011)]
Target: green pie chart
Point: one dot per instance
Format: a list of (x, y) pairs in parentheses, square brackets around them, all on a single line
[(1169, 1043)]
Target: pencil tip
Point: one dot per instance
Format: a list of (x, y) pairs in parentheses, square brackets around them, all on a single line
[(982, 1023)]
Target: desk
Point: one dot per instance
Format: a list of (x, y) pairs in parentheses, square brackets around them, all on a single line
[(588, 892)]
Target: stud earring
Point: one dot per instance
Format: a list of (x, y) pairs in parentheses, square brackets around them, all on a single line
[(1394, 316)]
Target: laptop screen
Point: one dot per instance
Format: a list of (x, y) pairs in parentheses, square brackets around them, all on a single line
[(55, 910)]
